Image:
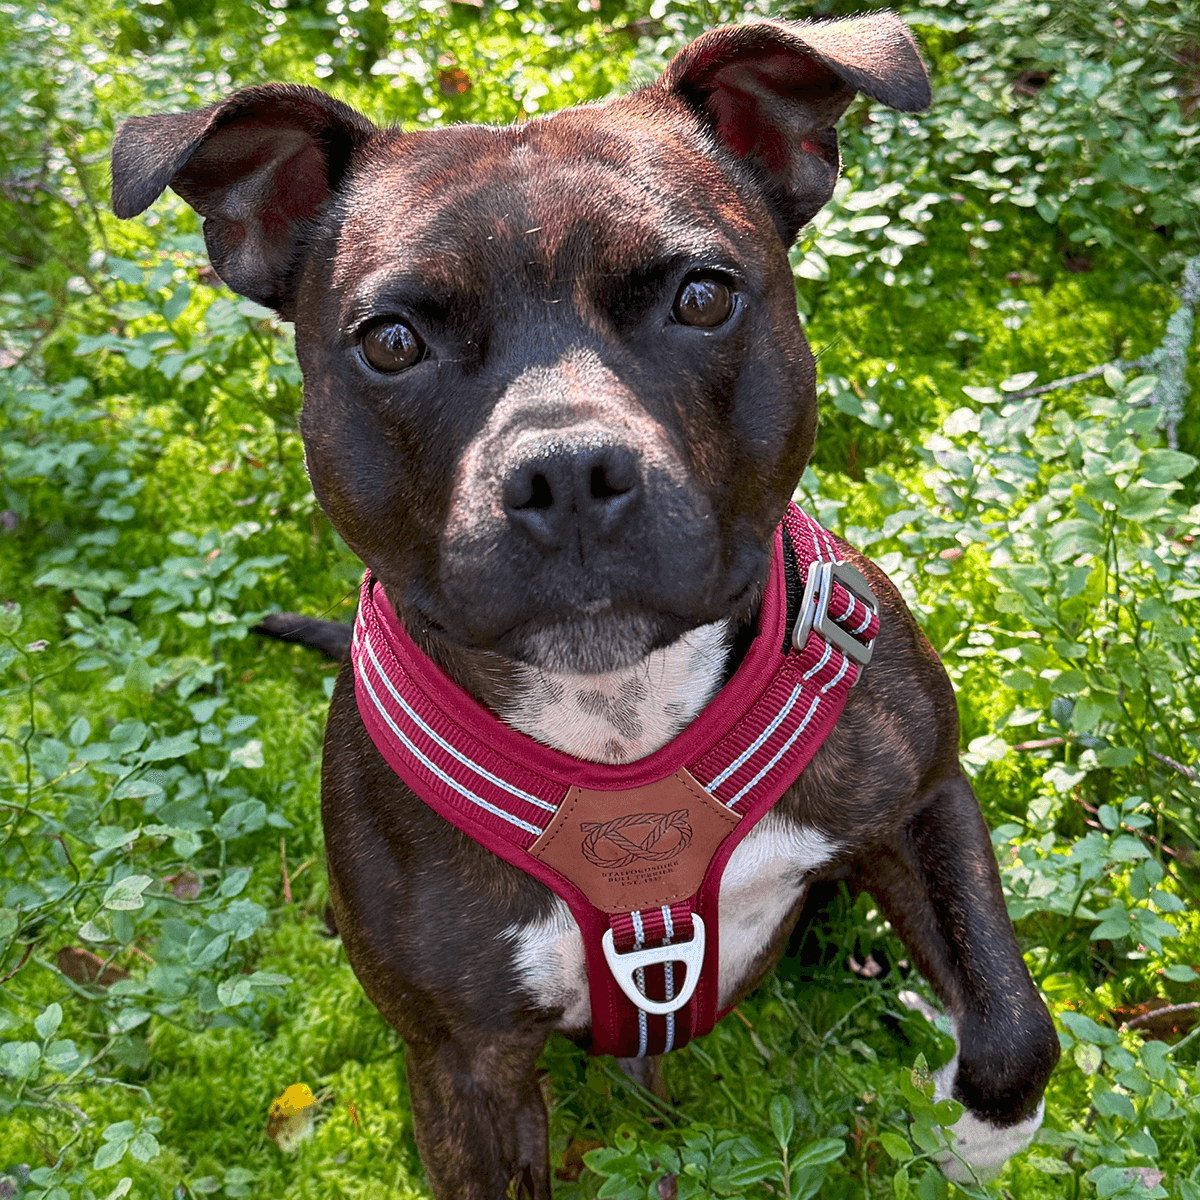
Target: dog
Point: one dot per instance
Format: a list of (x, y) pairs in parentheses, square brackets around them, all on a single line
[(557, 399)]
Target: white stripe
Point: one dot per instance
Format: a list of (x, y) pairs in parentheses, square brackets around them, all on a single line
[(458, 787), (819, 665), (669, 969), (640, 976), (639, 930), (829, 543), (779, 754), (743, 758), (800, 728), (866, 621), (757, 743), (445, 745), (838, 677)]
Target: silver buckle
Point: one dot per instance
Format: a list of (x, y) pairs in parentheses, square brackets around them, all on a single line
[(623, 966), (814, 609)]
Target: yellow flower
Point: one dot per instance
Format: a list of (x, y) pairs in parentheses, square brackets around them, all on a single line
[(290, 1117)]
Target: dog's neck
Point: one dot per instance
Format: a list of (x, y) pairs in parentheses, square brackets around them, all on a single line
[(623, 715), (615, 717)]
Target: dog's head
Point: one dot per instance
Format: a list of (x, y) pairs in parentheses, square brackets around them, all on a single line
[(556, 395)]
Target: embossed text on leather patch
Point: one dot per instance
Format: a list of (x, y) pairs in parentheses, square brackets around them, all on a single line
[(636, 848)]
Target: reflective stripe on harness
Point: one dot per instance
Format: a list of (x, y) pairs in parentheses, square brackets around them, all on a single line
[(636, 850)]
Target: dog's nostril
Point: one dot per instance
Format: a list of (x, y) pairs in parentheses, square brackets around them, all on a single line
[(602, 487), (615, 475), (541, 495), (528, 490)]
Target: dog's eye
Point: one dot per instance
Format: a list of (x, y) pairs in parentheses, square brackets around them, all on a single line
[(704, 302), (392, 346)]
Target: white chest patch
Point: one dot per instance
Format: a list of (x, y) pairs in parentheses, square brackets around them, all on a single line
[(763, 879), (624, 715)]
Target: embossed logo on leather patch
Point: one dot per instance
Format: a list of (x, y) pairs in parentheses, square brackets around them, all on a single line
[(636, 848), (649, 837)]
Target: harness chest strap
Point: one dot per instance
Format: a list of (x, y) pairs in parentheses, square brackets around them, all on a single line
[(636, 850)]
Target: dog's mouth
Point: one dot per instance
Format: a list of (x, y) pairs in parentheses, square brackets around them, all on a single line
[(591, 643), (590, 635)]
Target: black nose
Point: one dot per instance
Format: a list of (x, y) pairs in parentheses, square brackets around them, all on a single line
[(563, 494)]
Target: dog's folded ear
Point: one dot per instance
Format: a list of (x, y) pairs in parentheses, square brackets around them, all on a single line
[(256, 166), (772, 92)]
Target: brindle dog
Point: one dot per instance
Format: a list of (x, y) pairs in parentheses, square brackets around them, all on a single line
[(557, 398)]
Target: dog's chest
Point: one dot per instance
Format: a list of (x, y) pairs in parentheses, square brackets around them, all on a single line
[(763, 881), (621, 717)]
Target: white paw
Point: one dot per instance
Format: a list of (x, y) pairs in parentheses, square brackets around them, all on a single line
[(980, 1144)]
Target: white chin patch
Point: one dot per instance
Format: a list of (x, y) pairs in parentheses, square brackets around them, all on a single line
[(620, 716), (979, 1143)]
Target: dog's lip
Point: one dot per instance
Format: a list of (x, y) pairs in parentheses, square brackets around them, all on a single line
[(494, 640), (595, 607), (434, 616)]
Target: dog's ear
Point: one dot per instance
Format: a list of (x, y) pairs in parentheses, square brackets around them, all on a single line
[(772, 92), (257, 166)]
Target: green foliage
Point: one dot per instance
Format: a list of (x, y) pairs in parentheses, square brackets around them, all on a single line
[(163, 972)]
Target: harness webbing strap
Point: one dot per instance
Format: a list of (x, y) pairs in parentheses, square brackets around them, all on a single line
[(737, 758)]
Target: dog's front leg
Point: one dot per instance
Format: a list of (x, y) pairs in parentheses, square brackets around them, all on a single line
[(479, 1117), (938, 884)]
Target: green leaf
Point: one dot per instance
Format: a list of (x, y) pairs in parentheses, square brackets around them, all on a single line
[(818, 1153), (1166, 466), (20, 1059), (753, 1171), (144, 1146), (10, 618), (126, 894), (896, 1146), (1157, 1058), (1086, 1030), (138, 681), (170, 747), (1048, 1166), (1179, 973), (235, 991), (48, 1020), (782, 1118), (1127, 848), (1113, 1104), (178, 300), (109, 1154), (1087, 1058)]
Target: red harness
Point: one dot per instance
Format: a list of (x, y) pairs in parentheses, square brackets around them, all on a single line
[(636, 850)]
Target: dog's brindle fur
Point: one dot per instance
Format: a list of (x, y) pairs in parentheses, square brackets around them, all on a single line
[(575, 473)]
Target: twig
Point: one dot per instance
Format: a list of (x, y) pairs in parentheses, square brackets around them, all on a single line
[(24, 957), (287, 886), (1186, 772), (1058, 383), (1169, 1010), (1041, 744)]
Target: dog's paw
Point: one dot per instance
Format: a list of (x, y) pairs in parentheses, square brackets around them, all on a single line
[(978, 1149)]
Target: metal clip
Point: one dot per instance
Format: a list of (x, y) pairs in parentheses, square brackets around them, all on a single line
[(623, 966), (814, 609)]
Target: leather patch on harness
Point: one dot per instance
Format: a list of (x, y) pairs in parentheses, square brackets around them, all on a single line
[(637, 848)]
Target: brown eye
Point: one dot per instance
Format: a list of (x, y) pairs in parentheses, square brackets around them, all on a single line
[(392, 346), (704, 303)]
